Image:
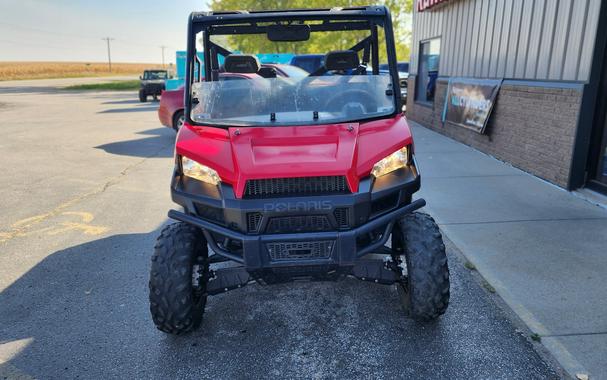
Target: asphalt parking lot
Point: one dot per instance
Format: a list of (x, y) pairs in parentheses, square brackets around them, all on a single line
[(83, 196)]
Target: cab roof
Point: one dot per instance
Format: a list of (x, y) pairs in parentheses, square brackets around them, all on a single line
[(221, 17)]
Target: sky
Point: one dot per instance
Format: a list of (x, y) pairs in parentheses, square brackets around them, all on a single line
[(72, 30)]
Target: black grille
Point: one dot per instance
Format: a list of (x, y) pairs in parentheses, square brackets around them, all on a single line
[(300, 250), (341, 217), (296, 186), (291, 224), (253, 220)]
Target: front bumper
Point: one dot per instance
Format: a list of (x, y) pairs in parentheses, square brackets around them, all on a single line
[(370, 214), (343, 247), (152, 88)]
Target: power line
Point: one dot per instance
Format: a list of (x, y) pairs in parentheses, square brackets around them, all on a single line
[(79, 36), (43, 45), (109, 55)]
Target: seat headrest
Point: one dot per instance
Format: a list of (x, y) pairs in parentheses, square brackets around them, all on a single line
[(241, 63), (341, 60)]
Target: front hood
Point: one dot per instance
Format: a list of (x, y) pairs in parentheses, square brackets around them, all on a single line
[(240, 154), (294, 152)]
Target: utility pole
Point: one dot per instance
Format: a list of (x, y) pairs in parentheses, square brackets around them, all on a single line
[(163, 47), (109, 55)]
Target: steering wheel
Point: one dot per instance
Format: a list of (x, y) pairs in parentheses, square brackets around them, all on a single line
[(352, 102)]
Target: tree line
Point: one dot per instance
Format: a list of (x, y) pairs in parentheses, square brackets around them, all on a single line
[(318, 42)]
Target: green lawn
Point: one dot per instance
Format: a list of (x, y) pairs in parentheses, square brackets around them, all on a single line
[(121, 85)]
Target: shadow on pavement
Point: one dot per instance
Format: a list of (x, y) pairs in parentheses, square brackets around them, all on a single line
[(29, 89), (84, 310), (136, 105), (156, 145), (76, 302), (126, 101), (143, 107)]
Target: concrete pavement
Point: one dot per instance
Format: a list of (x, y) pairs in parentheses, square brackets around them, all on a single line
[(543, 249)]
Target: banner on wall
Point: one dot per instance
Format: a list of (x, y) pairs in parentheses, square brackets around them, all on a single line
[(469, 102), (422, 5)]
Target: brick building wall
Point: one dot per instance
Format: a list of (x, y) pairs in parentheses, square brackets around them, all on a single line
[(532, 128)]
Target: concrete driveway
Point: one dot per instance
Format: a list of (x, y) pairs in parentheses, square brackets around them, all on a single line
[(83, 195)]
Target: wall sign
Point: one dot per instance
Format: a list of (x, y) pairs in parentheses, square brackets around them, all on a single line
[(422, 5), (469, 102)]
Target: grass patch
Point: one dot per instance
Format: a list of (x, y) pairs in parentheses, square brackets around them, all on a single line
[(488, 286), (121, 85), (536, 337), (469, 265)]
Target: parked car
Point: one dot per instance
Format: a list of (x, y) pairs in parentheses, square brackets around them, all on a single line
[(403, 75), (308, 62), (170, 111), (171, 107), (152, 83)]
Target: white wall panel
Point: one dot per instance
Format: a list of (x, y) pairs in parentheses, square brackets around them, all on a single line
[(491, 20), (502, 51), (561, 32), (515, 39), (527, 14), (535, 39), (497, 38), (588, 39), (512, 52), (482, 35), (573, 48)]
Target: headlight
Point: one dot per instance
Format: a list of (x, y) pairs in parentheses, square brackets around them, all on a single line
[(200, 172), (396, 160)]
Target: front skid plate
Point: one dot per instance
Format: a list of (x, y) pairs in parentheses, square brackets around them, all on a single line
[(226, 279)]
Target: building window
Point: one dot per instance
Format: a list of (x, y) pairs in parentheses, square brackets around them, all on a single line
[(429, 57)]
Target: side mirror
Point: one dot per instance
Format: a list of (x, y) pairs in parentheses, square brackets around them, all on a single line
[(140, 77)]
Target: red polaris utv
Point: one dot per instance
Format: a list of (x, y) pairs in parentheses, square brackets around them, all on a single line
[(294, 178)]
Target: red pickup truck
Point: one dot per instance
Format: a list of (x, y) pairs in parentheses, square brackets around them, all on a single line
[(171, 107)]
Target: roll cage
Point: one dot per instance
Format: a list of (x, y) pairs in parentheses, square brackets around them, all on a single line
[(256, 22)]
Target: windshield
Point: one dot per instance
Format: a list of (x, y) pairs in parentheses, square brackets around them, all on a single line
[(308, 63), (293, 71), (152, 75), (326, 72), (283, 101), (403, 67)]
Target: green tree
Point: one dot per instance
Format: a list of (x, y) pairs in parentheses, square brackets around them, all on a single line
[(319, 42)]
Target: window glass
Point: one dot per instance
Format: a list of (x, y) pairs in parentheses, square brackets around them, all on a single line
[(403, 67), (307, 91), (429, 57), (293, 71), (155, 75), (259, 101)]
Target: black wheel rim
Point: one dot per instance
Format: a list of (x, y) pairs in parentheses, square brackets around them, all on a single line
[(199, 279), (180, 122)]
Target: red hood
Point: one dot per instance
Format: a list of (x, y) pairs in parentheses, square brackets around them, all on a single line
[(239, 154)]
